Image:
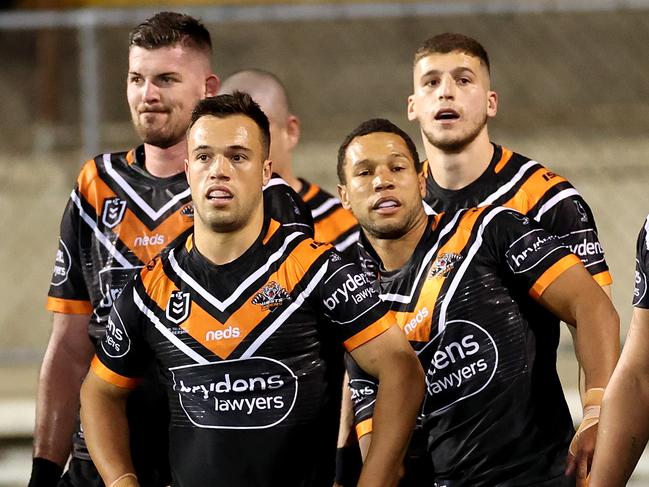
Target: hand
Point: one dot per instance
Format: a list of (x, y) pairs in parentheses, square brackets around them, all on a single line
[(580, 456)]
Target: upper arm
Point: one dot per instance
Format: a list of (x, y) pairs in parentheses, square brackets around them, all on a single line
[(379, 354), (70, 335)]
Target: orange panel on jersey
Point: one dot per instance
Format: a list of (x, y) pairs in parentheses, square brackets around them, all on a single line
[(69, 306), (504, 159), (364, 427), (603, 278), (273, 226), (372, 331), (550, 275), (416, 324), (331, 227), (111, 377), (532, 190), (93, 189), (313, 190)]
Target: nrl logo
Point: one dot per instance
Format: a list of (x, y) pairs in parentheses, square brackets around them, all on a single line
[(178, 307), (443, 265), (271, 296), (113, 211)]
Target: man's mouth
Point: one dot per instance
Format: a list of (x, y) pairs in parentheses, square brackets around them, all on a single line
[(219, 194), (386, 204), (446, 114)]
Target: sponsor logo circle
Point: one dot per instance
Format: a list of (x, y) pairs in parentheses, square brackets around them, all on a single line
[(62, 265), (640, 285)]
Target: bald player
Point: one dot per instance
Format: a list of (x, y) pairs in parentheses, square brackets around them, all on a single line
[(333, 223)]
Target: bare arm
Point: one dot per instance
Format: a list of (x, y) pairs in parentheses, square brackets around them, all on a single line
[(103, 414), (390, 358), (65, 364), (624, 424), (578, 300)]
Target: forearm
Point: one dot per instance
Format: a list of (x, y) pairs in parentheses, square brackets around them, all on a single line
[(623, 429), (401, 388), (105, 426), (345, 428)]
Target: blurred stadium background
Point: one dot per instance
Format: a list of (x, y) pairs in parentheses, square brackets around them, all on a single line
[(570, 75)]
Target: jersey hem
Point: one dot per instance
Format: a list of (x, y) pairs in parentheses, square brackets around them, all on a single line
[(111, 377), (551, 274)]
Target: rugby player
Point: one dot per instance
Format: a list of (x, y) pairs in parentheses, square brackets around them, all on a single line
[(332, 223), (243, 321), (624, 425), (125, 208), (452, 101), (475, 292)]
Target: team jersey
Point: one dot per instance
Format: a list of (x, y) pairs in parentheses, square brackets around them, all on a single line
[(249, 353), (117, 219), (494, 413), (640, 298), (514, 181), (332, 222)]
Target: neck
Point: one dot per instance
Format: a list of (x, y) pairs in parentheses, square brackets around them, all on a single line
[(285, 170), (395, 252), (224, 247), (163, 163), (455, 170)]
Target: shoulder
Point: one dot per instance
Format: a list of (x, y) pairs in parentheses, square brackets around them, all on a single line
[(101, 165)]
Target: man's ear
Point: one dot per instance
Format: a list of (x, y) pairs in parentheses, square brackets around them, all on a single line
[(187, 170), (344, 197), (421, 177), (293, 130), (492, 104), (267, 171), (212, 85), (412, 116)]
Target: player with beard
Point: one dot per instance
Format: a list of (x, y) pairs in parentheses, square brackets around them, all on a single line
[(476, 292), (452, 101), (125, 208), (244, 321)]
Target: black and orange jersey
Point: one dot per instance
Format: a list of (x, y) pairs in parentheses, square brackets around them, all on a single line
[(332, 223), (514, 181), (117, 219), (494, 413), (250, 355), (640, 298)]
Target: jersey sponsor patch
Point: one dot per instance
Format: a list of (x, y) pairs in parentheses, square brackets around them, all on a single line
[(347, 291), (116, 343), (113, 211), (271, 296), (178, 306), (640, 285), (585, 245), (251, 393), (463, 361), (62, 265), (529, 250)]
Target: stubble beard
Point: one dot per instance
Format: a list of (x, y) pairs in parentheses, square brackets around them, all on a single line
[(457, 144), (163, 136)]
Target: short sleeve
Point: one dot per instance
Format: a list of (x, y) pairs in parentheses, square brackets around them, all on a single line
[(364, 389), (640, 297)]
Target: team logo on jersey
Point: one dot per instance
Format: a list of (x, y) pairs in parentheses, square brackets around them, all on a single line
[(62, 265), (582, 212), (235, 394), (113, 212), (444, 264), (188, 210), (271, 296), (178, 307)]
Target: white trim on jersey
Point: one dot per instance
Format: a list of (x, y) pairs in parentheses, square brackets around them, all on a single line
[(465, 264), (112, 250), (351, 240), (548, 205), (136, 198), (401, 298), (428, 209), (510, 184), (223, 305), (324, 207), (646, 231), (276, 181), (166, 332), (295, 305)]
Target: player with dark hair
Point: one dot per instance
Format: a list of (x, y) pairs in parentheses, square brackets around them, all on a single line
[(475, 291), (332, 223), (243, 321), (452, 102), (126, 208)]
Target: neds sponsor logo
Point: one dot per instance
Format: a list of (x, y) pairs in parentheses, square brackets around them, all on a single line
[(236, 394), (463, 360)]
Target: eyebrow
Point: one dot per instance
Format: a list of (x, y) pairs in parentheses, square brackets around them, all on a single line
[(456, 70), (201, 147)]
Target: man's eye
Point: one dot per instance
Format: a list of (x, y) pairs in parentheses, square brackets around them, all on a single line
[(135, 79), (202, 157), (238, 158), (464, 81)]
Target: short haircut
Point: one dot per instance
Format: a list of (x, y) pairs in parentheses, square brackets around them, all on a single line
[(453, 42), (372, 126), (167, 29), (237, 103)]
